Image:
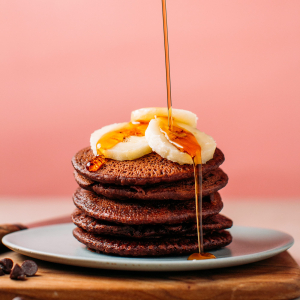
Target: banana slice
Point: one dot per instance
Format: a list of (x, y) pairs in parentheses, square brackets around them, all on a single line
[(130, 148), (179, 115), (159, 143)]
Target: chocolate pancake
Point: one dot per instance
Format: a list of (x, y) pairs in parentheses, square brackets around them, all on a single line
[(92, 225), (181, 190), (144, 212), (151, 247), (149, 169), (82, 181)]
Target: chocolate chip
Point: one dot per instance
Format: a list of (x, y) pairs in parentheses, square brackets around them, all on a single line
[(29, 267), (17, 273), (6, 265)]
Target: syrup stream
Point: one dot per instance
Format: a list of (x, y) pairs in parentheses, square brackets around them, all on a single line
[(167, 60)]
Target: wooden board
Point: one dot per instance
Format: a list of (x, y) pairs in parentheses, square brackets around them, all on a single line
[(274, 278)]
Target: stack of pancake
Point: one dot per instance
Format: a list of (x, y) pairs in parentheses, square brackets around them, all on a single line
[(146, 207)]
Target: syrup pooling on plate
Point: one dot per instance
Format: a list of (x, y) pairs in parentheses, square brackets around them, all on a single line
[(198, 256), (112, 138)]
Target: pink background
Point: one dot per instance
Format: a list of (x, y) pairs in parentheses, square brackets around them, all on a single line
[(70, 67)]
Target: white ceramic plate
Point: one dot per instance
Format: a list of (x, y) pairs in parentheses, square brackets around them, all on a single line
[(56, 244)]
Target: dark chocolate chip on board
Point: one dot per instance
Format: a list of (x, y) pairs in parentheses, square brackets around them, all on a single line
[(29, 267), (6, 265), (17, 273)]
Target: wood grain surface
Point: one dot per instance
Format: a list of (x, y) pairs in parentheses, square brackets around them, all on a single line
[(274, 278)]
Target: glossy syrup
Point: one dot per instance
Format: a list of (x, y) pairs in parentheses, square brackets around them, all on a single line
[(96, 163), (186, 142)]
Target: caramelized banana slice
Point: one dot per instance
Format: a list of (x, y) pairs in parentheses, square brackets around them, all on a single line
[(160, 144), (121, 141)]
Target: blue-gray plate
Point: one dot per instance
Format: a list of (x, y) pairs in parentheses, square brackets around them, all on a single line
[(56, 243)]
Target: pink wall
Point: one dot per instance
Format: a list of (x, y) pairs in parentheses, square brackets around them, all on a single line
[(69, 67)]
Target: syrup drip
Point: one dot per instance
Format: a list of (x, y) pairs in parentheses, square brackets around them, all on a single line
[(184, 141), (112, 138)]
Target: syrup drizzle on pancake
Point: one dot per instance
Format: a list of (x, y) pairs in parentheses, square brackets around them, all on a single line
[(186, 142)]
